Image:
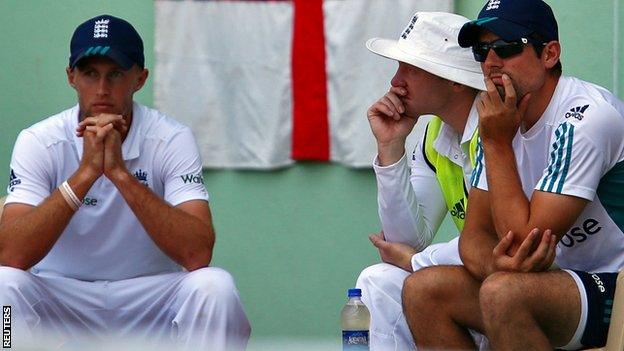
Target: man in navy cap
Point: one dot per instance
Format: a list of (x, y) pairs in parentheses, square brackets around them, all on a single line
[(107, 227), (550, 158)]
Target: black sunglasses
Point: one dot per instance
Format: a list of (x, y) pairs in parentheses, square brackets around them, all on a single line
[(503, 49)]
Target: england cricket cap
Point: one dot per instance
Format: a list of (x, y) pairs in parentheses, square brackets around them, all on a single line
[(512, 20), (109, 36)]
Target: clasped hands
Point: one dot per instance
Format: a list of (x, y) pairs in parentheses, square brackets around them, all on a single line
[(102, 139)]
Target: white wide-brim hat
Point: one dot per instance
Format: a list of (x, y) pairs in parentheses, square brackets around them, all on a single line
[(429, 42)]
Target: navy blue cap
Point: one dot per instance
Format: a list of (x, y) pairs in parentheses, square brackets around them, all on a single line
[(354, 292), (109, 36), (512, 20)]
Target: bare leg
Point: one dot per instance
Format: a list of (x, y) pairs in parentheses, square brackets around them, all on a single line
[(440, 304), (530, 311)]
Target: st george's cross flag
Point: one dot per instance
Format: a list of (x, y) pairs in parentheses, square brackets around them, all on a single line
[(263, 84)]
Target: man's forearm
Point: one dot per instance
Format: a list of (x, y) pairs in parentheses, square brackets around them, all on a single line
[(411, 206), (475, 250), (28, 233), (390, 153), (183, 237), (510, 206)]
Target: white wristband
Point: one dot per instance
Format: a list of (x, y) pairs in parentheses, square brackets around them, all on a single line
[(70, 196), (67, 199)]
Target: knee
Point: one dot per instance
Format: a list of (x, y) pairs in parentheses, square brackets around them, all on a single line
[(13, 278), (380, 283), (500, 294), (379, 276), (209, 282), (421, 289), (369, 275)]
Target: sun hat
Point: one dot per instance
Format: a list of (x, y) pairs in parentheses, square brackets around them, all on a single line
[(429, 42)]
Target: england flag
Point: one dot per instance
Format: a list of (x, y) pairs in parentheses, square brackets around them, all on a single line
[(266, 83)]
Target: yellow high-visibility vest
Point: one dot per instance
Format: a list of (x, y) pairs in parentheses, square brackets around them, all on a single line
[(450, 176)]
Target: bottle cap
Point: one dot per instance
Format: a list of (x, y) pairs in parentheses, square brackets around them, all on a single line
[(354, 292)]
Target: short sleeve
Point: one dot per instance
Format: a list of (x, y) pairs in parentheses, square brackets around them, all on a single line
[(579, 155), (479, 178), (182, 170), (30, 180)]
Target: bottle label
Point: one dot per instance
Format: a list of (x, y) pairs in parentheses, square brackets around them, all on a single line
[(355, 340)]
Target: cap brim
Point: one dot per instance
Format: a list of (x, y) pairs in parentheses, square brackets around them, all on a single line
[(389, 48), (116, 55), (507, 30)]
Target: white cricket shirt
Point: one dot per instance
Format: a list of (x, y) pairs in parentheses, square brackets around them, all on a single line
[(104, 240), (577, 148)]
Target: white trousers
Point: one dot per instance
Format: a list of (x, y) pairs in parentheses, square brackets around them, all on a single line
[(199, 310), (382, 285)]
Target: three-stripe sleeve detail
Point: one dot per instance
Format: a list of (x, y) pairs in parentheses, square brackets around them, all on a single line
[(560, 157), (478, 169)]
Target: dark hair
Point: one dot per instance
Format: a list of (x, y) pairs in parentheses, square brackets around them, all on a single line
[(538, 44)]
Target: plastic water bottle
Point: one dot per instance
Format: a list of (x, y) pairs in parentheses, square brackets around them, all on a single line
[(355, 320)]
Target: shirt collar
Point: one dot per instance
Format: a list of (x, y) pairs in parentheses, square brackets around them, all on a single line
[(131, 147), (471, 124), (447, 141)]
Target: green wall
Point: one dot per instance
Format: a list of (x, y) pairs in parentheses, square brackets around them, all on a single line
[(294, 239)]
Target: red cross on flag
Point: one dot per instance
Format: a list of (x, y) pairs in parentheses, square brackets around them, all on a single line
[(265, 83)]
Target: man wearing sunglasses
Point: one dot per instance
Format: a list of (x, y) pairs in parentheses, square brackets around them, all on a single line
[(551, 157), (435, 76)]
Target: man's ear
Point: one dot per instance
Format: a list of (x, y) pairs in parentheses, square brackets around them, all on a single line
[(142, 79), (71, 77), (551, 54)]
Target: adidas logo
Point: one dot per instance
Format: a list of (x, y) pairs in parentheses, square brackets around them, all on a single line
[(409, 28), (13, 181), (576, 112), (459, 210), (493, 5)]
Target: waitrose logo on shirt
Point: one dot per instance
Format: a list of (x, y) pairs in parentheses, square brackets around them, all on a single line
[(192, 178)]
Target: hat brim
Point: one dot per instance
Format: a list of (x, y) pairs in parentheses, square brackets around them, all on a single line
[(389, 48), (506, 30), (116, 55)]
